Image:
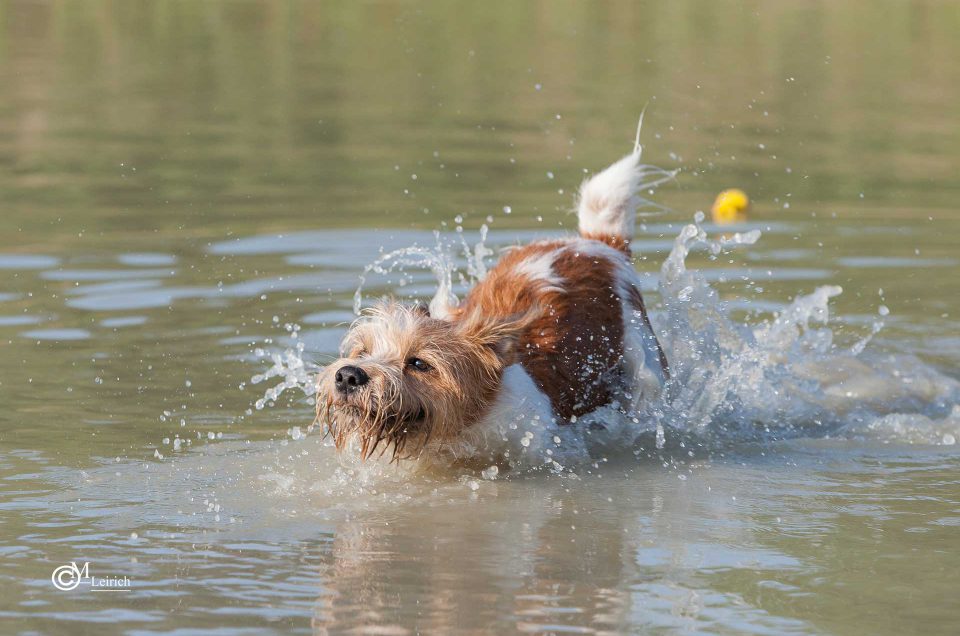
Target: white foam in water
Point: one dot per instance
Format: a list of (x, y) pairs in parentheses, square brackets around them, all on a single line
[(785, 377)]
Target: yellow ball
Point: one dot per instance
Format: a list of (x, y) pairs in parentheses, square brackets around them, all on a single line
[(730, 206)]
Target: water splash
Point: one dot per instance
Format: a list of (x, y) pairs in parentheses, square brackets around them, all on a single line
[(441, 261), (290, 367), (438, 260), (721, 367), (783, 377), (477, 255)]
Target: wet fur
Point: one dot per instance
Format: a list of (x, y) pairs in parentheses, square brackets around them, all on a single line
[(404, 409), (567, 311)]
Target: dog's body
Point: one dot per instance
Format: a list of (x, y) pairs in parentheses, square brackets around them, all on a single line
[(556, 330)]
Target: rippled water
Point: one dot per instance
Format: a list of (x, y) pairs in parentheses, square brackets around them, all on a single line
[(188, 191)]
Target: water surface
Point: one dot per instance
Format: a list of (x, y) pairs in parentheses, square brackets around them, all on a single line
[(188, 189)]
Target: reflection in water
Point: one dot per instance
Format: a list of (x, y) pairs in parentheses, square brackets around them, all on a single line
[(554, 577), (765, 540)]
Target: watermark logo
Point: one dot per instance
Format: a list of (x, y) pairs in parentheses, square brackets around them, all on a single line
[(71, 576)]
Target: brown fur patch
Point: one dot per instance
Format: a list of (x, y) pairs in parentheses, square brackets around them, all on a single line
[(576, 339)]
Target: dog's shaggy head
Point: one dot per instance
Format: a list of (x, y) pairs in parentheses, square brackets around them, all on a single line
[(407, 379)]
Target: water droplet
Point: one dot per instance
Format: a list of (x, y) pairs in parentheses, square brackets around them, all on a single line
[(490, 472)]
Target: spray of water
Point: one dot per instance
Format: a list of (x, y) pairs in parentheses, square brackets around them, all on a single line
[(290, 367), (780, 378)]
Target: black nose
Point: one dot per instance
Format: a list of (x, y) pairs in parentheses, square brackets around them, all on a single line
[(349, 379)]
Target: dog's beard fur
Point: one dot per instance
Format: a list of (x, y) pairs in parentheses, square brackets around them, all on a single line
[(402, 409)]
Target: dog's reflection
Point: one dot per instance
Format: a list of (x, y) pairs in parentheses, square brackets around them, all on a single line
[(489, 564)]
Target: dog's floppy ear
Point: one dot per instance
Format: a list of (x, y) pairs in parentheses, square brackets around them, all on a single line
[(499, 334)]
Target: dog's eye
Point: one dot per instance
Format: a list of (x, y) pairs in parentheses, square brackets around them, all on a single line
[(418, 364)]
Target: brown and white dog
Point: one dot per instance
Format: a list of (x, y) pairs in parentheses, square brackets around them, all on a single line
[(556, 330)]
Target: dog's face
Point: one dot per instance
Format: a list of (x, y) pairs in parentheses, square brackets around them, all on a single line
[(406, 379)]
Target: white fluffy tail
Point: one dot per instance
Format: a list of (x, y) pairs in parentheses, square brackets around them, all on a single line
[(608, 201)]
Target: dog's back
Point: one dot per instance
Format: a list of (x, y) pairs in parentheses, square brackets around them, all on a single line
[(589, 340)]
